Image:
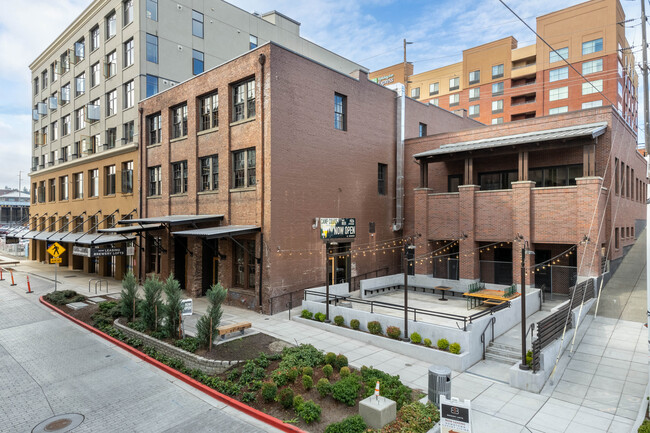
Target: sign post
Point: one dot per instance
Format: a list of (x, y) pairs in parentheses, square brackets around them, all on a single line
[(55, 250), (454, 415)]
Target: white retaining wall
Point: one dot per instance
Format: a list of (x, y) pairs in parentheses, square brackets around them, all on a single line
[(335, 289), (418, 280)]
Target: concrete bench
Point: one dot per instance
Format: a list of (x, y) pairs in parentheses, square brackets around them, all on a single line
[(229, 329)]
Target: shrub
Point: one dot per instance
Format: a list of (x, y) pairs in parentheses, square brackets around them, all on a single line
[(63, 297), (309, 412), (280, 377), (341, 361), (330, 358), (645, 427), (346, 390), (285, 397), (152, 308), (298, 401), (427, 342), (188, 344), (172, 289), (328, 370), (129, 295), (415, 418), (307, 371), (324, 387), (269, 391), (138, 325), (255, 385), (345, 372), (306, 314), (443, 344), (320, 317), (374, 328), (304, 355), (529, 361), (292, 374), (216, 295), (248, 397), (160, 334), (391, 386), (307, 382), (351, 424), (416, 338), (394, 332), (454, 348), (354, 324)]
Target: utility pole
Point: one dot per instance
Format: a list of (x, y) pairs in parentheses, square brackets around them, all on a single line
[(646, 122)]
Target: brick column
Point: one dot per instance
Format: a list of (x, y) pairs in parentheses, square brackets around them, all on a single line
[(468, 263), (195, 266), (421, 227), (521, 224), (589, 253)]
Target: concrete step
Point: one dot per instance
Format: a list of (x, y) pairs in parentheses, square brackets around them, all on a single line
[(502, 354), (501, 346), (503, 359)]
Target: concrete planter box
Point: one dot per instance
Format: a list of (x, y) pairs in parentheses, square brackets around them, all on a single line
[(191, 361)]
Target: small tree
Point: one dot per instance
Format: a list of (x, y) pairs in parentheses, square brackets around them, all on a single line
[(172, 289), (129, 296), (206, 328), (151, 309)]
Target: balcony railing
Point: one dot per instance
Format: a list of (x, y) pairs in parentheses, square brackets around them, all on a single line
[(514, 68), (531, 101)]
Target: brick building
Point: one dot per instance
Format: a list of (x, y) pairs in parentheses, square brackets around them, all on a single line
[(572, 185), (242, 162), (500, 82)]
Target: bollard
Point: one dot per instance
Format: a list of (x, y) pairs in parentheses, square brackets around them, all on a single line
[(1, 278), (12, 278), (29, 288)]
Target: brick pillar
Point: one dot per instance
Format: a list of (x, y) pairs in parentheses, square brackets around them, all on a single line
[(468, 263), (589, 254), (421, 226), (195, 267), (521, 224)]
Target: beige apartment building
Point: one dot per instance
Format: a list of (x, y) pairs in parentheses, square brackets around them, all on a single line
[(500, 82), (85, 89)]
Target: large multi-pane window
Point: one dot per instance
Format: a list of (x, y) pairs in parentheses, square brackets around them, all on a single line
[(153, 128), (94, 75), (497, 106), (209, 106), (129, 52), (111, 137), (128, 131), (244, 265), (244, 168), (382, 177), (474, 77), (555, 176), (474, 93), (65, 94), (558, 74), (340, 112), (109, 180), (454, 99), (63, 188), (110, 67), (152, 48), (197, 24), (497, 180), (129, 94), (474, 110), (592, 46), (152, 85), (558, 110), (209, 173), (434, 88), (559, 93), (454, 83), (152, 10), (179, 121), (80, 84), (179, 177), (111, 25), (497, 121), (497, 89), (559, 54), (111, 102), (592, 66), (127, 177), (127, 9), (592, 87), (78, 190), (154, 181), (197, 62), (592, 104), (497, 71), (93, 186), (65, 125), (244, 100), (94, 38), (80, 119)]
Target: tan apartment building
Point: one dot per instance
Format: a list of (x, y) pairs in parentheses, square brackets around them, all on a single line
[(86, 130), (501, 82)]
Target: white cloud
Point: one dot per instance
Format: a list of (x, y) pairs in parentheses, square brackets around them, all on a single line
[(16, 151)]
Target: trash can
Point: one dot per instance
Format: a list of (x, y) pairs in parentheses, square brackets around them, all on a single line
[(439, 383)]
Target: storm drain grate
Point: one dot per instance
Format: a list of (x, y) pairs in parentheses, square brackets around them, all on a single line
[(60, 423)]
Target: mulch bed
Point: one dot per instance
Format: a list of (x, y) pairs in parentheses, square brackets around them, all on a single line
[(242, 348)]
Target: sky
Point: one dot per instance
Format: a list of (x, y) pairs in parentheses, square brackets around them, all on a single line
[(369, 32)]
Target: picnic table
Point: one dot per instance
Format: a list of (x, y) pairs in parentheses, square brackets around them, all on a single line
[(443, 289), (487, 296)]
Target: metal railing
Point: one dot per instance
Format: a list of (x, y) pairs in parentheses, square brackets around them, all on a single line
[(530, 101), (98, 281), (355, 282), (289, 304), (491, 322), (514, 68), (415, 311)]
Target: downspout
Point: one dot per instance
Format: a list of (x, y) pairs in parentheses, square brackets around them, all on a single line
[(262, 60), (398, 223), (143, 163)]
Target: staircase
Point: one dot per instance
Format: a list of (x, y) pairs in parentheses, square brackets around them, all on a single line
[(503, 353)]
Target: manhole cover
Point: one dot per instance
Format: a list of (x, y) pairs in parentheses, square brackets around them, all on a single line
[(60, 423)]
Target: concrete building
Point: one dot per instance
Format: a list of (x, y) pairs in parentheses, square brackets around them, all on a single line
[(572, 185), (14, 207), (86, 86), (500, 82), (242, 193)]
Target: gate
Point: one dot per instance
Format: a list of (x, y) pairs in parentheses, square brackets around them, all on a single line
[(447, 269), (494, 272), (556, 279)]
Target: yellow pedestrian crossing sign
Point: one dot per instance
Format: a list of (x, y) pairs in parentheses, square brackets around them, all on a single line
[(55, 249)]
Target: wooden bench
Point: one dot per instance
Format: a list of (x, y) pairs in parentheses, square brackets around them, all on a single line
[(492, 302), (229, 329)]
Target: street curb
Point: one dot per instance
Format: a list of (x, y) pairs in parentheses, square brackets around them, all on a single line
[(261, 416)]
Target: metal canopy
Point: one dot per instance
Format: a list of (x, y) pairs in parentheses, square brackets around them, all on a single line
[(174, 220), (591, 130), (218, 232), (132, 229), (97, 239)]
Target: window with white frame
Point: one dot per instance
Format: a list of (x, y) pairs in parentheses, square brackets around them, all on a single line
[(65, 94), (153, 128), (129, 94), (127, 177), (454, 99), (435, 102), (197, 24), (95, 72), (497, 71), (434, 88), (65, 125), (497, 89), (592, 46), (474, 93), (497, 106), (54, 130), (454, 83), (93, 185), (79, 50), (127, 10), (415, 93), (559, 54), (559, 93), (558, 110), (179, 121), (128, 131), (244, 168), (111, 102), (474, 77), (592, 87), (110, 67), (592, 66), (592, 104), (497, 120), (154, 181), (111, 25), (558, 74), (80, 119), (80, 84), (209, 167), (63, 188), (244, 100), (474, 110), (179, 177), (209, 111), (129, 52), (78, 190), (94, 38)]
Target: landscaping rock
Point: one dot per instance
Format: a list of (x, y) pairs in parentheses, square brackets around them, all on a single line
[(77, 305)]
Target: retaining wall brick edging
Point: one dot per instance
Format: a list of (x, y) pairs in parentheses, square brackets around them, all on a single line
[(207, 366), (236, 404)]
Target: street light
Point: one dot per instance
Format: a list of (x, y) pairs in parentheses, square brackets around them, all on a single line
[(407, 246), (524, 251)]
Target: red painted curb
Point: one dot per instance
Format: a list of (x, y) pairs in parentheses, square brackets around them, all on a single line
[(268, 419)]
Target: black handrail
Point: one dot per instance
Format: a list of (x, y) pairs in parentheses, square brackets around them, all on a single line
[(491, 321)]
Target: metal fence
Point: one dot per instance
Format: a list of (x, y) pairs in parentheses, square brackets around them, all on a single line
[(556, 279), (19, 250), (494, 272), (445, 268), (548, 329)]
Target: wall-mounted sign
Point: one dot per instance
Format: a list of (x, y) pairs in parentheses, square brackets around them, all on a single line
[(386, 79), (80, 251), (333, 228), (454, 415), (98, 252)]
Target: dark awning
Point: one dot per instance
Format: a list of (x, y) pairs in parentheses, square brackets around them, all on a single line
[(173, 220), (218, 232), (96, 238), (132, 229)]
